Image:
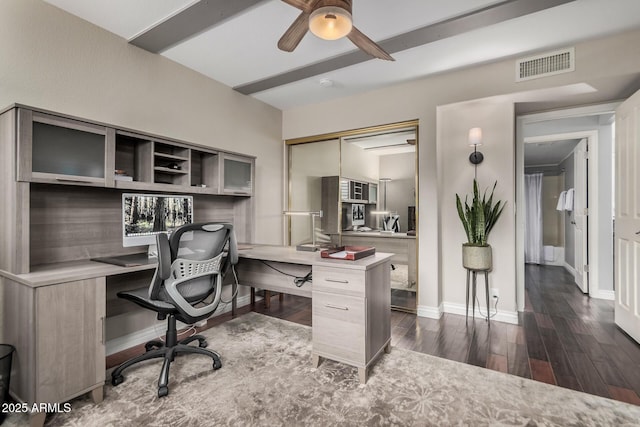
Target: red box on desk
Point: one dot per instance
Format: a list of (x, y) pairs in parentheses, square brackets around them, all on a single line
[(352, 252)]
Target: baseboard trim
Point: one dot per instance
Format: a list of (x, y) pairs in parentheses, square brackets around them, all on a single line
[(500, 316), (460, 309), (608, 295), (127, 341), (429, 311), (570, 269)]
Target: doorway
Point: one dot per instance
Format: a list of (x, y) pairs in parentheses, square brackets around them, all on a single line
[(584, 242)]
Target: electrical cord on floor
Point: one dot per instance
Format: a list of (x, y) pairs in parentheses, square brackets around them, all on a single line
[(235, 278), (489, 314), (297, 280), (191, 328)]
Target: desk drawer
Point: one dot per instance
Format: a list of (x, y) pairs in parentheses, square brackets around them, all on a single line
[(339, 327), (339, 280)]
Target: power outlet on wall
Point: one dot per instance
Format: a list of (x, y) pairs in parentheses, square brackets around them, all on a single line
[(495, 293)]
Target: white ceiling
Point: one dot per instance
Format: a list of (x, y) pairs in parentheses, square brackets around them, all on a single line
[(242, 49), (550, 153), (385, 144)]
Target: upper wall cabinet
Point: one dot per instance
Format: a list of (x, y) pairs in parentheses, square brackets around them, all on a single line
[(358, 191), (60, 150), (236, 175)]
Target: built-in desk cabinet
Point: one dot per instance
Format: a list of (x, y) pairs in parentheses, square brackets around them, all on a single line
[(60, 150), (236, 175), (54, 215), (64, 150), (58, 332), (351, 315)]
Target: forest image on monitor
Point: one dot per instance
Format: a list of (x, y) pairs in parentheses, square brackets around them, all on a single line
[(149, 214)]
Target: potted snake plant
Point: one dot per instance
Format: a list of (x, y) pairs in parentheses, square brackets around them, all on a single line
[(478, 218)]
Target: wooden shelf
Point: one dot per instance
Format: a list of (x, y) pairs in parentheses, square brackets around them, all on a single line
[(170, 156), (170, 171)]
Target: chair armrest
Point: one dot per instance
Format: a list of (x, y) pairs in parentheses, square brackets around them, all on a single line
[(164, 256)]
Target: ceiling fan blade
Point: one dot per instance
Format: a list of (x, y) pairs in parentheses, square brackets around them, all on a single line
[(369, 46), (294, 34), (304, 5)]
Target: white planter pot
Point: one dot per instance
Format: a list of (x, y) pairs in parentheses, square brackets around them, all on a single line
[(477, 257)]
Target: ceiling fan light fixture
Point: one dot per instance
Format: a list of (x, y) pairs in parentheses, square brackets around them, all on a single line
[(330, 22)]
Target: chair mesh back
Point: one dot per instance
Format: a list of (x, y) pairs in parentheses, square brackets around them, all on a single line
[(198, 245)]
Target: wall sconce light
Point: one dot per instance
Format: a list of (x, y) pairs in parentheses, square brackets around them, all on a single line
[(475, 139), (317, 214)]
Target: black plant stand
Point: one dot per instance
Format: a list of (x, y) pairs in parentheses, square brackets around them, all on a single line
[(474, 272)]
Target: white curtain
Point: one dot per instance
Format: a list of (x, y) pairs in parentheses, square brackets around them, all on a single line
[(533, 218)]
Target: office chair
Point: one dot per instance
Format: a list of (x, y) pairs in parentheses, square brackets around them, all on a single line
[(191, 264)]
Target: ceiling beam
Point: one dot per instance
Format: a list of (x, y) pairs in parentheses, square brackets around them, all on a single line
[(490, 15), (189, 22)]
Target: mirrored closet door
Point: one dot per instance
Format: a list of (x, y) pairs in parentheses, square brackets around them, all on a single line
[(365, 183)]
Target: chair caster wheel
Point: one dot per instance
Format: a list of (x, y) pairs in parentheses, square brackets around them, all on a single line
[(149, 347), (203, 344), (217, 365), (163, 391), (117, 380)]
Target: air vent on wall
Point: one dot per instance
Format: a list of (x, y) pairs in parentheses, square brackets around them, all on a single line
[(547, 64)]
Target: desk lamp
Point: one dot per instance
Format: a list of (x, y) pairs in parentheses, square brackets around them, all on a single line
[(313, 214)]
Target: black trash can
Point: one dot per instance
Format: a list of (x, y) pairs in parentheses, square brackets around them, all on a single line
[(6, 354)]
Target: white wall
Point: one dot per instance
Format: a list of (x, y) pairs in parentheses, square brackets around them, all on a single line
[(56, 61), (597, 59)]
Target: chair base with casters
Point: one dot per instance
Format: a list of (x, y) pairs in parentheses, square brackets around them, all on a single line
[(168, 350)]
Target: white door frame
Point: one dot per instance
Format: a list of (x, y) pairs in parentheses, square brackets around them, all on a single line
[(592, 136)]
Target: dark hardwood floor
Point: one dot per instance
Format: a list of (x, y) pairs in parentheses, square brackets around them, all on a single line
[(564, 338)]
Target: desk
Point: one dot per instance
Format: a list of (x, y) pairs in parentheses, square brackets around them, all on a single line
[(55, 316), (351, 307)]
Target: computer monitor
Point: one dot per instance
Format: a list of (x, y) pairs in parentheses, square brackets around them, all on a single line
[(357, 214), (145, 215)]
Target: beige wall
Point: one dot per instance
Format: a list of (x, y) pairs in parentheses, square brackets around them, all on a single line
[(614, 56), (359, 164), (56, 61), (497, 123)]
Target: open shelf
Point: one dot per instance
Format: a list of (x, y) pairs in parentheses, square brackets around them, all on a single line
[(133, 157)]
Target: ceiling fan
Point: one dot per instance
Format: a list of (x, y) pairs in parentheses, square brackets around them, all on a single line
[(329, 20)]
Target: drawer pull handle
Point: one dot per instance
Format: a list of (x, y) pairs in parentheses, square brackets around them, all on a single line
[(337, 280), (79, 181), (337, 307)]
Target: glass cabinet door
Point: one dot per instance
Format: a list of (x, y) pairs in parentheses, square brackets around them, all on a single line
[(237, 175), (56, 149)]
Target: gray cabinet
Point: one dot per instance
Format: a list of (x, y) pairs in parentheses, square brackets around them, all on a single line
[(58, 331), (351, 315), (55, 149), (236, 175), (338, 193), (52, 148)]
